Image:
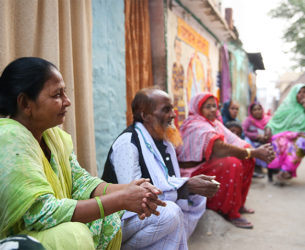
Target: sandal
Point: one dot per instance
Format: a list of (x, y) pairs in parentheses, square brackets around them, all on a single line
[(241, 223), (245, 210), (282, 178), (283, 175)]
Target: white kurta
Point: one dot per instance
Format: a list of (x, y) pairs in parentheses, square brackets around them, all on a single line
[(178, 219)]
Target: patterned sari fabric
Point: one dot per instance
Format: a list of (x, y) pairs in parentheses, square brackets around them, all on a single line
[(199, 135), (39, 197), (287, 125), (286, 147), (235, 177)]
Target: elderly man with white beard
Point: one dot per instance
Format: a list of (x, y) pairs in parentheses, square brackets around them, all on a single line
[(146, 150)]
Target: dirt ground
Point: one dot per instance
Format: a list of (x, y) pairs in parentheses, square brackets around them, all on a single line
[(279, 220)]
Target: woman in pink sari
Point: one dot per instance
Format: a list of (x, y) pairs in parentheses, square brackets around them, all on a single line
[(253, 127), (210, 148)]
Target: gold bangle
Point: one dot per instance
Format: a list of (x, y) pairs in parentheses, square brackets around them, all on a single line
[(249, 153)]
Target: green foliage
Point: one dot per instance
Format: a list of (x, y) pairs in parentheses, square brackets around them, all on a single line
[(294, 12)]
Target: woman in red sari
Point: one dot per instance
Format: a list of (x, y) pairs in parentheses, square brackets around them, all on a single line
[(210, 148)]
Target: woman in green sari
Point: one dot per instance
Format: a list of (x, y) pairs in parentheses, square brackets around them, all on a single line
[(287, 128), (44, 192)]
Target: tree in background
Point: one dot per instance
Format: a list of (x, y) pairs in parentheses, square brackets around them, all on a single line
[(294, 12)]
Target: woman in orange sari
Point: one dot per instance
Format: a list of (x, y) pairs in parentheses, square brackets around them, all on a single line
[(210, 148)]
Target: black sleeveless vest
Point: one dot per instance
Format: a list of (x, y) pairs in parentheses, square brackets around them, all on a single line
[(109, 173)]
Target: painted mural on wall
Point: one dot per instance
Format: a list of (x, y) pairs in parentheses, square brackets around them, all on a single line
[(190, 69), (178, 87)]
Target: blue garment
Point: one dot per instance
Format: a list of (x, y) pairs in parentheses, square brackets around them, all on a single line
[(225, 113), (226, 117)]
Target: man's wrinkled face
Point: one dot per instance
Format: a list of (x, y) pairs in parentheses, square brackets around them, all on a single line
[(162, 117), (163, 113)]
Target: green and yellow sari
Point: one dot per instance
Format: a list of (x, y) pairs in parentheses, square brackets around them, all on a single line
[(28, 180)]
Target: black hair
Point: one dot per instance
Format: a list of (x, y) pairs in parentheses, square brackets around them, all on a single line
[(231, 124), (24, 75)]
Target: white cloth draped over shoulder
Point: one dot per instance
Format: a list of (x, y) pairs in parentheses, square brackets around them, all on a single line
[(126, 166), (158, 172), (156, 166)]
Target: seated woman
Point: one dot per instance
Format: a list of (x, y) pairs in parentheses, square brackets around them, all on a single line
[(210, 148), (287, 128), (253, 127), (43, 190), (229, 111)]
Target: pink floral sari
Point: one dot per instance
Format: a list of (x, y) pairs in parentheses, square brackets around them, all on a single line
[(288, 151), (199, 135), (288, 129)]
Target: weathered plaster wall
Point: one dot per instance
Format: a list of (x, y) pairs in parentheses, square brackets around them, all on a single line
[(196, 66), (109, 88)]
